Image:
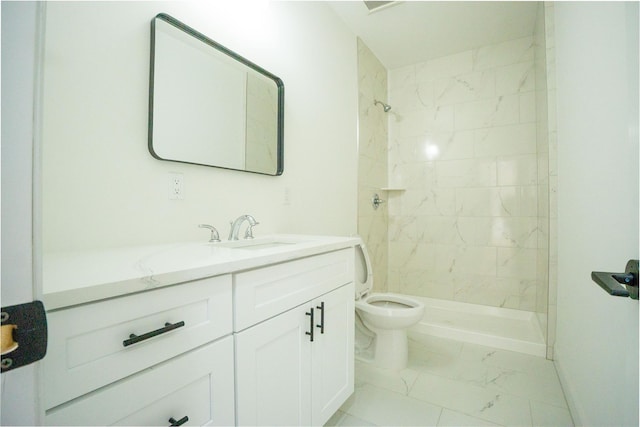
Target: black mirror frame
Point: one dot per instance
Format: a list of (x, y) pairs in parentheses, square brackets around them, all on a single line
[(279, 83)]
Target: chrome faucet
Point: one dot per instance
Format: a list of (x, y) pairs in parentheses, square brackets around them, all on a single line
[(235, 227), (215, 237)]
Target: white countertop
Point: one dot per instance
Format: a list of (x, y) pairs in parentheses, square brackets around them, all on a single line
[(72, 278)]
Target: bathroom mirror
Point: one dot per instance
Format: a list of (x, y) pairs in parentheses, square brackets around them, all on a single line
[(210, 106)]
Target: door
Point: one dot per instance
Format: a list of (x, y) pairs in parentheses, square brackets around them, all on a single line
[(596, 350), (332, 355), (273, 371), (21, 38)]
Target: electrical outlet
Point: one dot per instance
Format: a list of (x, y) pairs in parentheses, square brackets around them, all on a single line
[(176, 186), (286, 201)]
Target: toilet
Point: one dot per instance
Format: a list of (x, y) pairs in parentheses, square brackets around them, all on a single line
[(387, 315)]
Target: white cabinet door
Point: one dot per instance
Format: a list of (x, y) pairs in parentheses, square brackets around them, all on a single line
[(332, 355), (273, 371), (283, 378)]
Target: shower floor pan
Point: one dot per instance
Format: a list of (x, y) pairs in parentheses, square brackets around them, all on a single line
[(497, 327)]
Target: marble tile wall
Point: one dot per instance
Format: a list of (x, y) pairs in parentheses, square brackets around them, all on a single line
[(542, 138), (463, 146), (372, 161), (552, 140), (547, 173)]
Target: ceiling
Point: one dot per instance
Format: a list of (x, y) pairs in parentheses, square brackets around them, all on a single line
[(408, 32)]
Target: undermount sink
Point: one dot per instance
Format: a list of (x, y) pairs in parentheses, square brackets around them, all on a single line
[(256, 245), (260, 243)]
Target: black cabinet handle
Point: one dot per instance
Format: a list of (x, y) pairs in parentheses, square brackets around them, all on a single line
[(321, 325), (133, 338), (178, 422), (310, 313)]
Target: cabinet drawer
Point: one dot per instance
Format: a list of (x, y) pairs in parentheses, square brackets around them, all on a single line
[(86, 343), (265, 292), (198, 385)]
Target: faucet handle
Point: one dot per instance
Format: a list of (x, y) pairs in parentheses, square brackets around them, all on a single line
[(215, 237), (249, 233), (251, 219)]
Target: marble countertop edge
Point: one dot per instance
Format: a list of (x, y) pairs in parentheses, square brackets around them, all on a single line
[(73, 278)]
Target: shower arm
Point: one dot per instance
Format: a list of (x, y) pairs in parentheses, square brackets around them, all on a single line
[(386, 107)]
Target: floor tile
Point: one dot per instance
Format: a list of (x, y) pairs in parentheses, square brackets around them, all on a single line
[(530, 386), (547, 415), (397, 381), (335, 419), (433, 344), (519, 374), (451, 383), (538, 366), (451, 418), (340, 419), (473, 400), (462, 370), (384, 407), (501, 380)]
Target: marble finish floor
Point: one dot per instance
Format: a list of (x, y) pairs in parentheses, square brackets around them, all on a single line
[(451, 383)]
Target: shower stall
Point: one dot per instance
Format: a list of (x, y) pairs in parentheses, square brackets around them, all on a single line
[(463, 155)]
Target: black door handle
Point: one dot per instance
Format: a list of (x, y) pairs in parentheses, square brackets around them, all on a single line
[(619, 284)]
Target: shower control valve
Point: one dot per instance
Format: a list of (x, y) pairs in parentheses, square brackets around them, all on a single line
[(376, 201)]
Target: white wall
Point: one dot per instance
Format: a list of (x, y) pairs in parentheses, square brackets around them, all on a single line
[(21, 403), (596, 350), (101, 186)]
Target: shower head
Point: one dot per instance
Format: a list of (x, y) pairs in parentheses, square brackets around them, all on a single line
[(385, 107)]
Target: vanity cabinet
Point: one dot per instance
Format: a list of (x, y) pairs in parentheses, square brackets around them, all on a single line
[(264, 343), (295, 367)]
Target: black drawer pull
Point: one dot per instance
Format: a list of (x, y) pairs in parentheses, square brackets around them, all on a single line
[(179, 422), (133, 338)]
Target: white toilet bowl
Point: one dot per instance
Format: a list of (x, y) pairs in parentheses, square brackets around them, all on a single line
[(387, 315)]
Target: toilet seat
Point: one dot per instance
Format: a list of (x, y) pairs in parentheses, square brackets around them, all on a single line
[(394, 301), (388, 304), (385, 304)]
